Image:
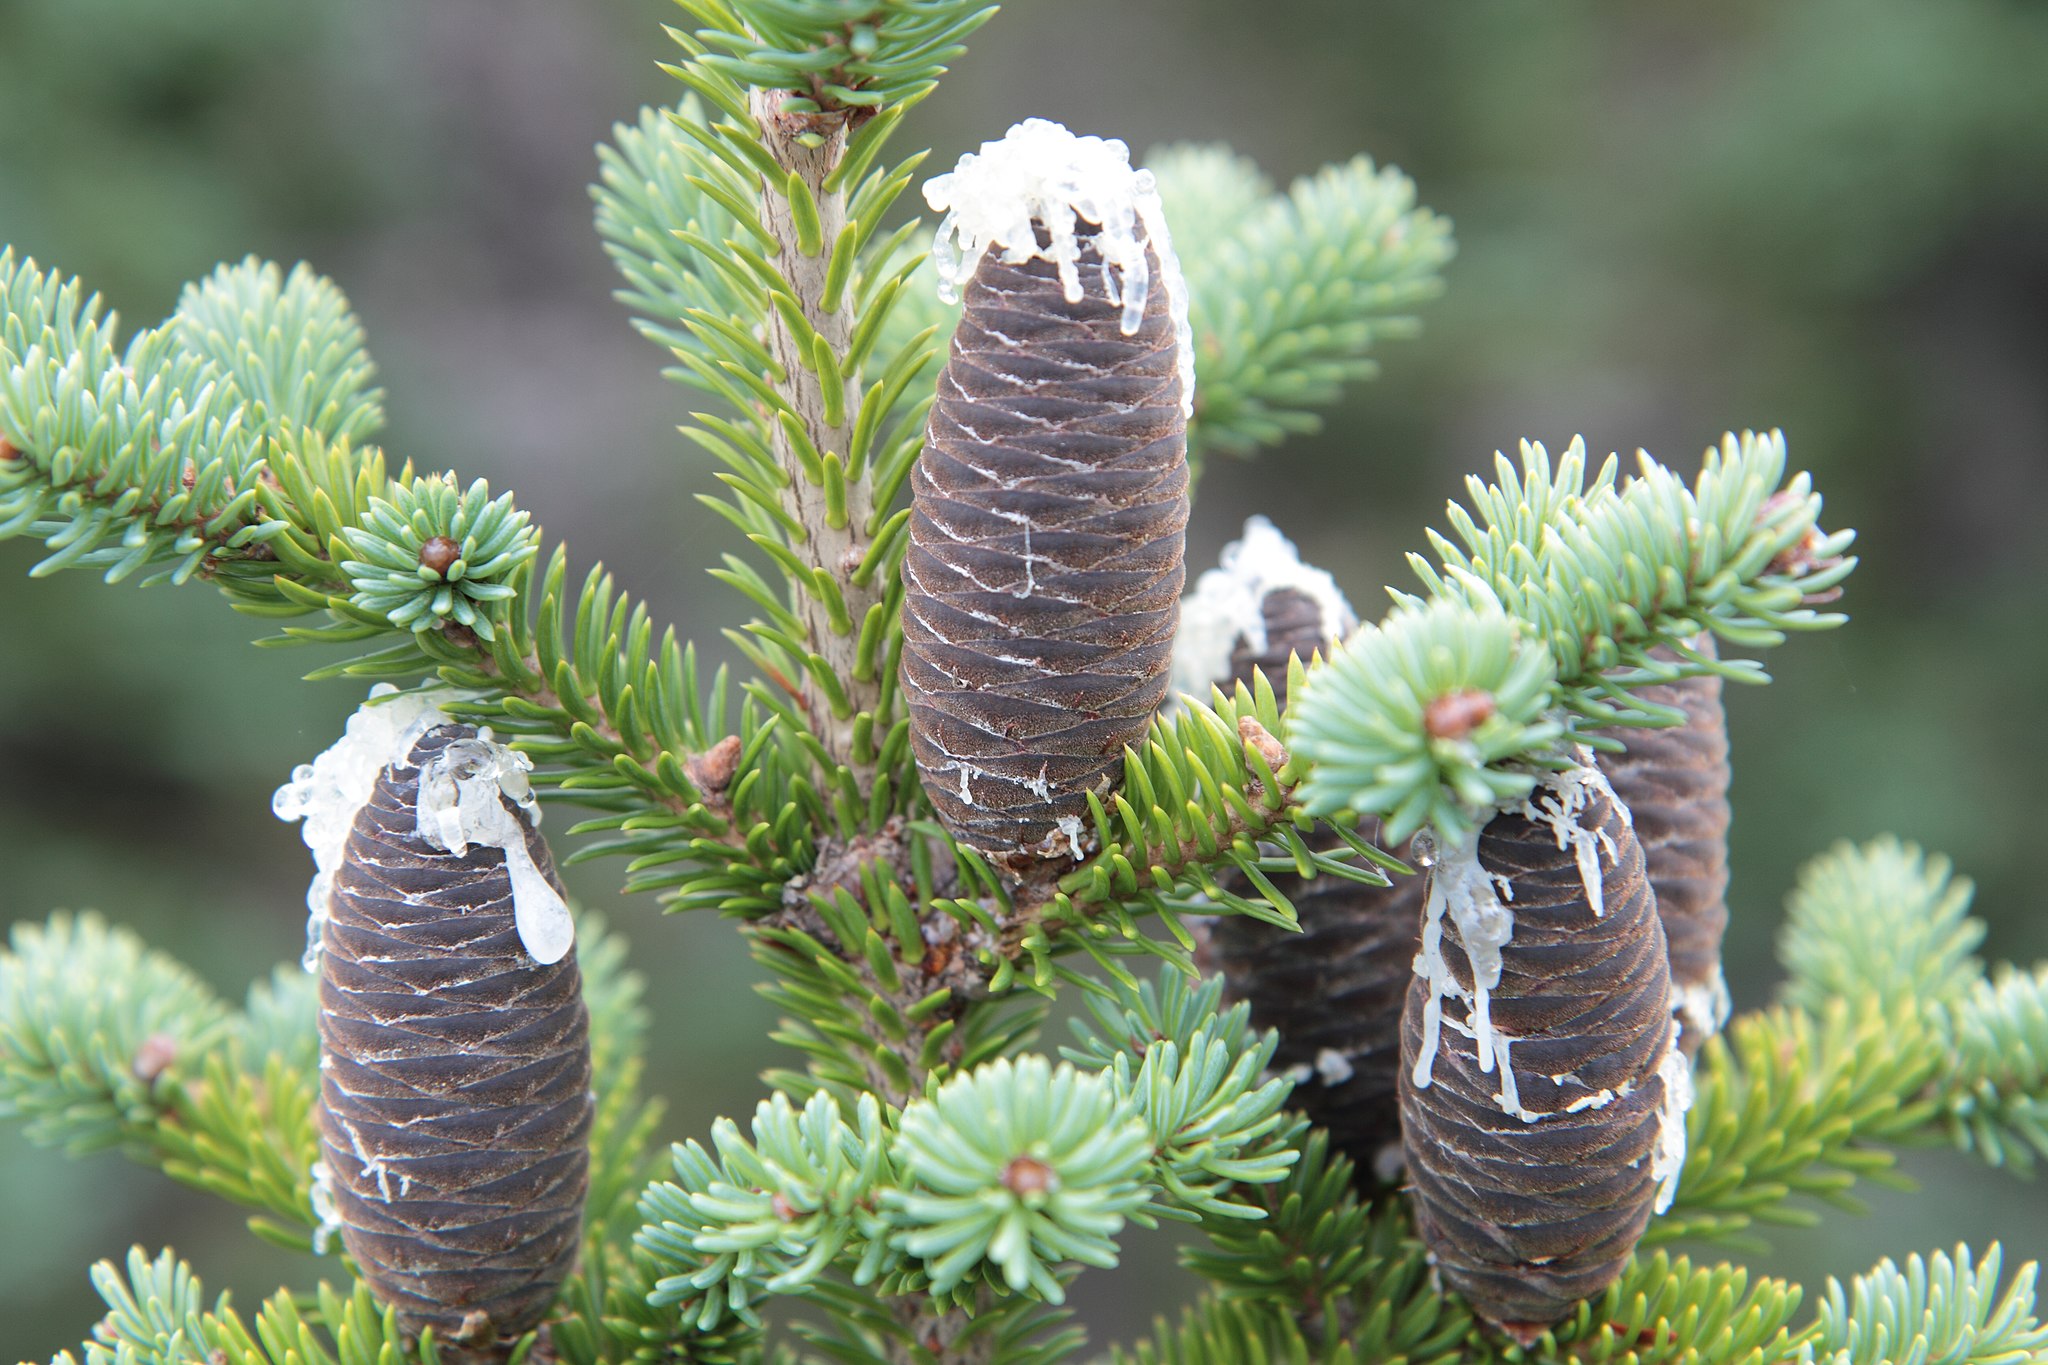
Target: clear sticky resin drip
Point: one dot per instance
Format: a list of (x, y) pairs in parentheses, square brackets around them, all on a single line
[(1039, 175), (463, 791)]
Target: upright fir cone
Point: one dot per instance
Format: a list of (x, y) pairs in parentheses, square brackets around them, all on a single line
[(1043, 577), (1544, 1126), (1333, 991), (1674, 780), (455, 1103)]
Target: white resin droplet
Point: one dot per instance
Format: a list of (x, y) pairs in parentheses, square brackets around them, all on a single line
[(1569, 793), (463, 794), (461, 802), (1704, 1006), (1667, 1162), (1040, 173), (328, 1221), (1228, 604), (1333, 1066), (327, 793)]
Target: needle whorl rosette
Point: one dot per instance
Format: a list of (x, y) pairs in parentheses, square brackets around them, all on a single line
[(1043, 577)]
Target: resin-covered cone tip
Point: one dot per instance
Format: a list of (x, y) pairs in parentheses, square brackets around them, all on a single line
[(1260, 606), (1543, 1096), (1049, 505)]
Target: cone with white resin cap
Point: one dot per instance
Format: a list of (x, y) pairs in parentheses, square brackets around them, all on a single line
[(1674, 780), (1044, 570), (1543, 1096), (455, 1104), (1333, 991)]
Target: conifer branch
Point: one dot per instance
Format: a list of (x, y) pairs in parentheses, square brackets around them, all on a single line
[(1544, 614), (154, 457), (921, 1188), (149, 1061), (1789, 1104), (1211, 785), (1289, 293), (1882, 920), (1941, 1308)]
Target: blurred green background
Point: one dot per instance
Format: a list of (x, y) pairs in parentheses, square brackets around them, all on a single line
[(1674, 219)]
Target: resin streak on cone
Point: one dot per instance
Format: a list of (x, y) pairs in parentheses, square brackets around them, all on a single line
[(455, 1077), (1043, 578), (1527, 1217)]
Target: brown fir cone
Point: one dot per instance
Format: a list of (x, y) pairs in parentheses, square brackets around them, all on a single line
[(1333, 991), (1674, 780), (455, 1077), (1534, 1177), (1043, 577), (1294, 629)]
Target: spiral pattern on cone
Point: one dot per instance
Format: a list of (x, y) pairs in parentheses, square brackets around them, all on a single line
[(1527, 1217), (1042, 582), (1333, 991), (454, 1078), (1674, 779)]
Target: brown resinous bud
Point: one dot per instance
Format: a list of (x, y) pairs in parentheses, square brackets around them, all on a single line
[(1674, 781), (1049, 505), (455, 1103), (1333, 991), (1543, 1096)]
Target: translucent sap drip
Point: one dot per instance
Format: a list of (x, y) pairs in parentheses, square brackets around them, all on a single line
[(1667, 1162), (1228, 604), (1039, 175), (327, 793), (328, 1220), (1702, 1007), (463, 793), (459, 805), (1570, 792)]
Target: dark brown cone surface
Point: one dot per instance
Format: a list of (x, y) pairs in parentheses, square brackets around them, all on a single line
[(1675, 781), (1042, 583), (1294, 628), (1528, 1218), (455, 1078), (1334, 991)]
